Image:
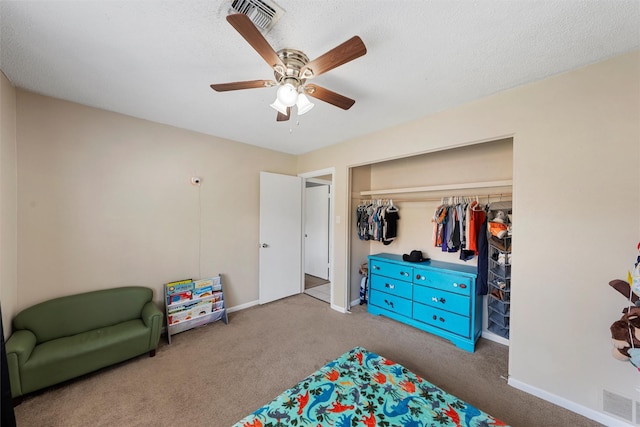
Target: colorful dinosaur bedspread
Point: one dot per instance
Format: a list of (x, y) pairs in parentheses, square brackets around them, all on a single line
[(361, 388)]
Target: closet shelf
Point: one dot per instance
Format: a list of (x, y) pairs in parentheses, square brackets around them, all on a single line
[(445, 187)]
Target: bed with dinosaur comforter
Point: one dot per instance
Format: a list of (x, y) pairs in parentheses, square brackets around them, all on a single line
[(362, 388)]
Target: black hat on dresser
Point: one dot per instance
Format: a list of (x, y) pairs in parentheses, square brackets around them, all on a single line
[(414, 256)]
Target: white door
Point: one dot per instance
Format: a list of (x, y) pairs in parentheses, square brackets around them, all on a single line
[(316, 234), (280, 236)]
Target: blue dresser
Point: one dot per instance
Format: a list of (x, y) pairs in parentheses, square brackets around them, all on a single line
[(435, 296)]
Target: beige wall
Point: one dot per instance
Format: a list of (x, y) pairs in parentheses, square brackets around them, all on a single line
[(105, 200), (8, 204), (576, 190)]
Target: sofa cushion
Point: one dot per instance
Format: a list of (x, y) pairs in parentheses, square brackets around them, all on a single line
[(74, 314), (65, 358)]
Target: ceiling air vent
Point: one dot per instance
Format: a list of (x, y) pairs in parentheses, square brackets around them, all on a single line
[(263, 13)]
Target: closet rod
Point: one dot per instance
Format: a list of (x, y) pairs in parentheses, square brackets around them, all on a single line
[(437, 199), (445, 187)]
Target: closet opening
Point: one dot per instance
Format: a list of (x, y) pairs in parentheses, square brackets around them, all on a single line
[(417, 186)]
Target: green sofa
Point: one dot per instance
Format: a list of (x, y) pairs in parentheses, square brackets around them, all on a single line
[(66, 337)]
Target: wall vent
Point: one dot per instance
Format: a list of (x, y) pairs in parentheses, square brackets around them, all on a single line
[(263, 13), (617, 405)]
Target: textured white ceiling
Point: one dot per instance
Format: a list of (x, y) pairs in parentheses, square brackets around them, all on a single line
[(155, 60)]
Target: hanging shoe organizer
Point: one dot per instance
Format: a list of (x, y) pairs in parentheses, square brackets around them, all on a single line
[(499, 298)]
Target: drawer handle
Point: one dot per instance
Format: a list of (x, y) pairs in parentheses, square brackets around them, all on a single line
[(375, 267), (390, 303), (463, 286), (404, 273), (436, 318), (442, 300), (387, 285), (455, 285)]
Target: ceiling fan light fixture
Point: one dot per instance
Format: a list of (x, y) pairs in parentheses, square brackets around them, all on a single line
[(303, 104), (279, 106), (287, 94)]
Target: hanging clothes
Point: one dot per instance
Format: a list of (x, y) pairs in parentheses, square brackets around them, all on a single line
[(377, 221), (362, 222), (456, 226)]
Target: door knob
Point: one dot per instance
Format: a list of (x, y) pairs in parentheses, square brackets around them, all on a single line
[(264, 245)]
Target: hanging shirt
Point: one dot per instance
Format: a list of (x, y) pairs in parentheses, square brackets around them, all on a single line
[(467, 228), (482, 287), (439, 218), (391, 224), (451, 223), (478, 216)]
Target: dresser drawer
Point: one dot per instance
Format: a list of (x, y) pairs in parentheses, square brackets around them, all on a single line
[(446, 282), (390, 302), (437, 298), (451, 322), (388, 269), (391, 286)]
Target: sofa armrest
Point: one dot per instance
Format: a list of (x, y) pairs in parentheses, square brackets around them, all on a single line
[(18, 347), (151, 314), (152, 317)]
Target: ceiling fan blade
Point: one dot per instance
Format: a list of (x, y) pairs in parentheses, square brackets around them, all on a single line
[(329, 96), (283, 118), (254, 37), (250, 84), (347, 51)]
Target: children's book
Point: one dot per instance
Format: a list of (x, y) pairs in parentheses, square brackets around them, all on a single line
[(179, 297)]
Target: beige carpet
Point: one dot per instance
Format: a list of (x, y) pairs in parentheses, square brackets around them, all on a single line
[(215, 375)]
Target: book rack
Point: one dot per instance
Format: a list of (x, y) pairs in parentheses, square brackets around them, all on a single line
[(193, 303)]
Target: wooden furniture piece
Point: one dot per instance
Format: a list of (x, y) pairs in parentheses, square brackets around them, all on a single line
[(434, 296)]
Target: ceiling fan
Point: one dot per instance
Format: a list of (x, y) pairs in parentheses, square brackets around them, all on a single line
[(292, 69)]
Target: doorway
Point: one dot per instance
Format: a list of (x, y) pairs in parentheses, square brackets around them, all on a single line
[(317, 258)]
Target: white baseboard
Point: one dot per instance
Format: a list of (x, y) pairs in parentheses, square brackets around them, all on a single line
[(567, 404), (256, 302), (242, 306), (338, 308)]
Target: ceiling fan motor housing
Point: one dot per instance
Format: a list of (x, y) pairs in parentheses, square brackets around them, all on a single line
[(293, 60)]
